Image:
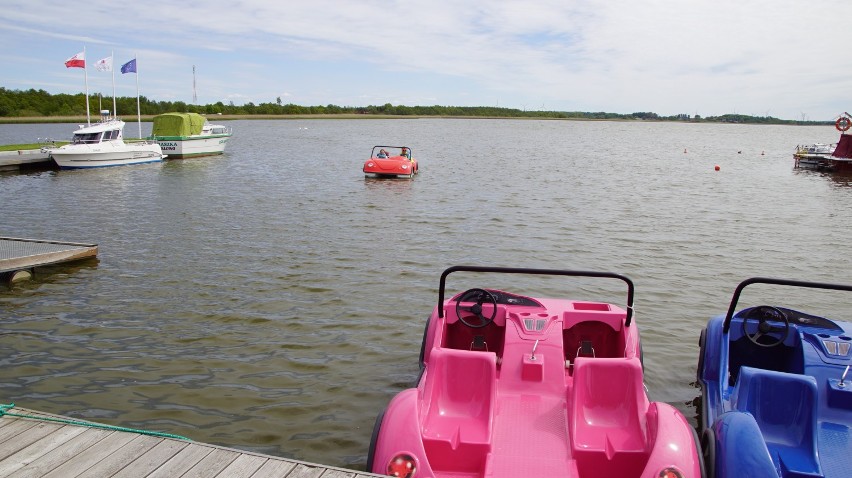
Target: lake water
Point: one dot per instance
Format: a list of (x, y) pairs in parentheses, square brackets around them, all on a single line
[(273, 299)]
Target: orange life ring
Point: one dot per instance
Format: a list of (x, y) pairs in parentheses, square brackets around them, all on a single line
[(843, 123)]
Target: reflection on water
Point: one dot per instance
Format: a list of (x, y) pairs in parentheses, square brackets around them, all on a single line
[(273, 299)]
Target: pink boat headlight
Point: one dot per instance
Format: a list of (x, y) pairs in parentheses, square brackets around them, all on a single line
[(404, 166), (402, 465), (670, 472), (369, 165)]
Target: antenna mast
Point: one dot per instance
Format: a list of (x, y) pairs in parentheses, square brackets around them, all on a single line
[(194, 97)]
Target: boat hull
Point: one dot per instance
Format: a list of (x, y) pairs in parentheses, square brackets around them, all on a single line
[(182, 147), (102, 155), (516, 386), (393, 167)]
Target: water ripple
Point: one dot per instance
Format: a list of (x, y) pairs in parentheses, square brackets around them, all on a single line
[(273, 300)]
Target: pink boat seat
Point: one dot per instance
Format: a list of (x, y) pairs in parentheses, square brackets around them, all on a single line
[(457, 423), (584, 337), (609, 414), (460, 392)]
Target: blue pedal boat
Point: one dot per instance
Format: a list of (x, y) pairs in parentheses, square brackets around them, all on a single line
[(776, 391)]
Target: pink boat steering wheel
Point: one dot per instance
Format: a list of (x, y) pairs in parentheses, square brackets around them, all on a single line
[(481, 296)]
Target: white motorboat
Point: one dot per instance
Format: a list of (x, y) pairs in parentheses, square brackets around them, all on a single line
[(187, 135), (102, 144), (814, 156)]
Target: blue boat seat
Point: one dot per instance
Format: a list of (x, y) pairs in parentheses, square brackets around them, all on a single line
[(783, 405)]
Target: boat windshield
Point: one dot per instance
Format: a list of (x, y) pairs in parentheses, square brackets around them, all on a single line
[(84, 138)]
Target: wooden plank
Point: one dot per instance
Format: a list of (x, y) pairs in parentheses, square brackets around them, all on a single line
[(122, 457), (37, 449), (27, 438), (304, 471), (182, 462), (274, 469), (152, 459), (89, 457), (62, 454), (13, 427), (33, 449), (244, 466), (212, 464), (337, 474)]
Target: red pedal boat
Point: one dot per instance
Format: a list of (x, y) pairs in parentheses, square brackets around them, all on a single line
[(391, 162)]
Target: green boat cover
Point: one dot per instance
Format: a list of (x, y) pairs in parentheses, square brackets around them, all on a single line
[(177, 124)]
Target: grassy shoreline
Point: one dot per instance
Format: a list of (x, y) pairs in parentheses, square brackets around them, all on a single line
[(212, 118), (350, 116), (343, 116)]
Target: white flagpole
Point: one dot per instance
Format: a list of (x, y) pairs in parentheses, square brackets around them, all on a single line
[(86, 76), (138, 114), (112, 67)]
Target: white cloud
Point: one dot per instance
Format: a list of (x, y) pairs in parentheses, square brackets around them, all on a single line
[(667, 56)]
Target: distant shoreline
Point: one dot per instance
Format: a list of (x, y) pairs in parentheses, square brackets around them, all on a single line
[(215, 117), (349, 116)]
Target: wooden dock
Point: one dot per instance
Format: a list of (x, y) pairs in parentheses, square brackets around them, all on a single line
[(22, 256), (25, 159), (36, 448)]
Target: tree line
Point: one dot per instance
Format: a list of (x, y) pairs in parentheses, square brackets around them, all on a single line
[(40, 103)]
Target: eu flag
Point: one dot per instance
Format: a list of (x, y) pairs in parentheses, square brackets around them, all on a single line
[(129, 67)]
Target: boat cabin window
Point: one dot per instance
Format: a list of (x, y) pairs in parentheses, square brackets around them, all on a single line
[(218, 130), (84, 138)]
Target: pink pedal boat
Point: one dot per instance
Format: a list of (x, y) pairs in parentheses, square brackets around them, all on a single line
[(513, 386)]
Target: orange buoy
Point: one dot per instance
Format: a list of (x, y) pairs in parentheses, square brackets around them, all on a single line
[(717, 167)]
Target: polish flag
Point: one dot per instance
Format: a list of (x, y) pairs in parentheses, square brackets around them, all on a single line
[(76, 61)]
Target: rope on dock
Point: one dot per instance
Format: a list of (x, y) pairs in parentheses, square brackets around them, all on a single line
[(4, 411)]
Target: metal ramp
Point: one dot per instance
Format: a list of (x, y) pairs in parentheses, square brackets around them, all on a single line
[(18, 254)]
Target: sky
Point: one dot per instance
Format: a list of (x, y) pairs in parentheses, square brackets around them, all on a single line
[(789, 59)]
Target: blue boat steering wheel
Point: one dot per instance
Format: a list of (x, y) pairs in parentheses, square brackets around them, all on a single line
[(764, 314)]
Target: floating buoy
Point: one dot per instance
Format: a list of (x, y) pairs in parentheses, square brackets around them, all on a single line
[(717, 167), (739, 152), (684, 150), (761, 153)]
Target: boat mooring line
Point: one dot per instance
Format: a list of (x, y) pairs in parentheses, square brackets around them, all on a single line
[(4, 411)]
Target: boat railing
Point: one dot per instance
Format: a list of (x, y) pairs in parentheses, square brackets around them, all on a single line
[(818, 148), (221, 130), (141, 140)]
